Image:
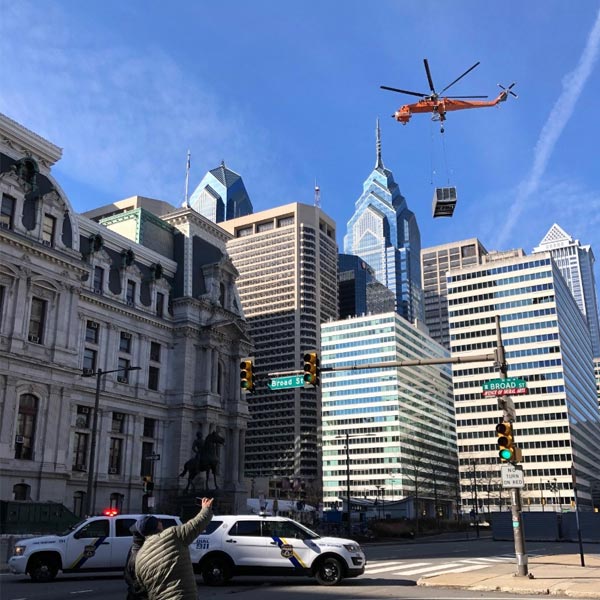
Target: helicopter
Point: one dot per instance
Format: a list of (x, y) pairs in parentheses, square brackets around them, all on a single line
[(438, 105)]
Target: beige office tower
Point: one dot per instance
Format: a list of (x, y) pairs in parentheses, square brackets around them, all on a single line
[(287, 263), (547, 343), (435, 263)]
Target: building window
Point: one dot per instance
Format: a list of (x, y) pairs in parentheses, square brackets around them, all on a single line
[(123, 374), (114, 457), (118, 422), (160, 304), (149, 427), (36, 320), (21, 492), (7, 213), (83, 417), (98, 280), (116, 501), (78, 503), (2, 296), (91, 332), (155, 351), (130, 292), (48, 228), (147, 450), (89, 360), (80, 451), (26, 421), (125, 342), (153, 377)]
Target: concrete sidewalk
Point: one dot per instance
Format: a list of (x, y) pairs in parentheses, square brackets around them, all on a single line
[(550, 575)]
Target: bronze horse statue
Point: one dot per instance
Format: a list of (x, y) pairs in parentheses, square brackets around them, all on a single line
[(206, 461)]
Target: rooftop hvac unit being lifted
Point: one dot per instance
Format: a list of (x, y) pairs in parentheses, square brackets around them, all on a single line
[(444, 201)]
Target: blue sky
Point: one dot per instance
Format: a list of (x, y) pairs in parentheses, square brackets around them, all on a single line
[(288, 92)]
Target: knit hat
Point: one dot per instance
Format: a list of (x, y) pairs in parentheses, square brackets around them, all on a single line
[(147, 525)]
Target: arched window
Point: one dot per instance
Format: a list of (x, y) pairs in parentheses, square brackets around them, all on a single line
[(78, 503), (26, 419), (21, 491), (222, 294)]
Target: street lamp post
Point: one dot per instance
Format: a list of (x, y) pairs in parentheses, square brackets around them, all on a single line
[(89, 502), (348, 510)]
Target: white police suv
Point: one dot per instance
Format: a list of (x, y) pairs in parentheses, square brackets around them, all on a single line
[(97, 544), (268, 545)]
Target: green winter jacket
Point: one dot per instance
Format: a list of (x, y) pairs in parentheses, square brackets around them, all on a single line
[(163, 564)]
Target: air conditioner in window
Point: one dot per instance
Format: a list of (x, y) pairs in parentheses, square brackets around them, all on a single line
[(125, 335), (81, 422), (34, 339), (47, 242), (122, 379), (18, 439), (97, 291), (112, 471), (80, 468), (92, 325), (4, 225), (88, 371), (84, 410), (130, 303)]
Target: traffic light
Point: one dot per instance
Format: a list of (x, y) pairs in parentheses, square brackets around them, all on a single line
[(247, 375), (505, 440), (311, 369), (148, 484)]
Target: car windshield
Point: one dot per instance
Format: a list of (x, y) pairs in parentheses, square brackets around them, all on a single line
[(72, 528)]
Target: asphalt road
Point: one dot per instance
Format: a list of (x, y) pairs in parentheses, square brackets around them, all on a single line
[(392, 572)]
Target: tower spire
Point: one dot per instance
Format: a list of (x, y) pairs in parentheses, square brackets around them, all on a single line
[(187, 180), (379, 163)]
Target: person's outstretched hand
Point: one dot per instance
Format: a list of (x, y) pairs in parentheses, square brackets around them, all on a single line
[(207, 502)]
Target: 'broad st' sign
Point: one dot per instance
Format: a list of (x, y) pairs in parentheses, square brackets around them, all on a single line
[(504, 387), (285, 383)]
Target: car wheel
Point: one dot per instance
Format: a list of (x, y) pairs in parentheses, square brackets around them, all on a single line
[(43, 569), (329, 571), (216, 571)]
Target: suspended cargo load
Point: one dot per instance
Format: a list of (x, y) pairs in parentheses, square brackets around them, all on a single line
[(444, 201)]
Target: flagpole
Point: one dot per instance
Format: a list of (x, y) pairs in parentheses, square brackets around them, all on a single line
[(187, 180)]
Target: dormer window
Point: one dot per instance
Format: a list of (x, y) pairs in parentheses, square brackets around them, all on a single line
[(48, 230)]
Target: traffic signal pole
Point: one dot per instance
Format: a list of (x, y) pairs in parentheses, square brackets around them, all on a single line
[(515, 493)]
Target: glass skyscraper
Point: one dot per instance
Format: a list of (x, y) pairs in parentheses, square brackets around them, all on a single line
[(576, 263), (385, 234), (221, 196)]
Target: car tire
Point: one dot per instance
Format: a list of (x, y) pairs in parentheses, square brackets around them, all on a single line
[(329, 571), (43, 570), (216, 571)]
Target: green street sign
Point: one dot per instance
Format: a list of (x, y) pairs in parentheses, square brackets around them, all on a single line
[(505, 387), (286, 383)]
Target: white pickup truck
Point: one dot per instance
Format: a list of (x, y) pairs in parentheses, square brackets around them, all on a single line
[(99, 543)]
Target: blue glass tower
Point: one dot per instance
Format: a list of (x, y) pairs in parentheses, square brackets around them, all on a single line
[(385, 234), (221, 196)]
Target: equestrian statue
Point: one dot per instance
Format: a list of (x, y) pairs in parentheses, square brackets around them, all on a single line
[(205, 459)]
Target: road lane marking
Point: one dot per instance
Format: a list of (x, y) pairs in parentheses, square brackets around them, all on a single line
[(426, 569), (394, 565), (81, 592)]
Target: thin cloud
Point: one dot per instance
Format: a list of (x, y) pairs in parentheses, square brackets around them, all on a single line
[(561, 112)]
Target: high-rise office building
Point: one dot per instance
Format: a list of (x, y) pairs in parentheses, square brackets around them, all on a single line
[(399, 421), (287, 263), (547, 344), (435, 263), (360, 293), (576, 263), (221, 195), (385, 234)]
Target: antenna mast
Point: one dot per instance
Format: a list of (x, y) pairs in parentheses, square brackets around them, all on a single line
[(187, 180), (317, 195)]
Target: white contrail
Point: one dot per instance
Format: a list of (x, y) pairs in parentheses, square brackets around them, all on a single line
[(561, 112)]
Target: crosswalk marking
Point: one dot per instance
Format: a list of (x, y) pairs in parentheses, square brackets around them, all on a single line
[(460, 570), (390, 566), (427, 569)]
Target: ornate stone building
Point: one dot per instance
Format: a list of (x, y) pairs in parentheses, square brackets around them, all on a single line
[(135, 302)]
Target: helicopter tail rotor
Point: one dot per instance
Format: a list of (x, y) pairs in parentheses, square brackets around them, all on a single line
[(508, 90)]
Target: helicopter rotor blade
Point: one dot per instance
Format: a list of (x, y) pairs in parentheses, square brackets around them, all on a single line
[(459, 78), (391, 89), (429, 79), (509, 89), (465, 97)]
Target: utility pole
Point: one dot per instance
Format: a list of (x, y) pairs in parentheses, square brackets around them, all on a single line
[(515, 492)]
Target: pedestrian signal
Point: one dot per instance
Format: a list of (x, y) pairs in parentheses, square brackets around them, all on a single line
[(247, 375), (506, 447), (311, 369)]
